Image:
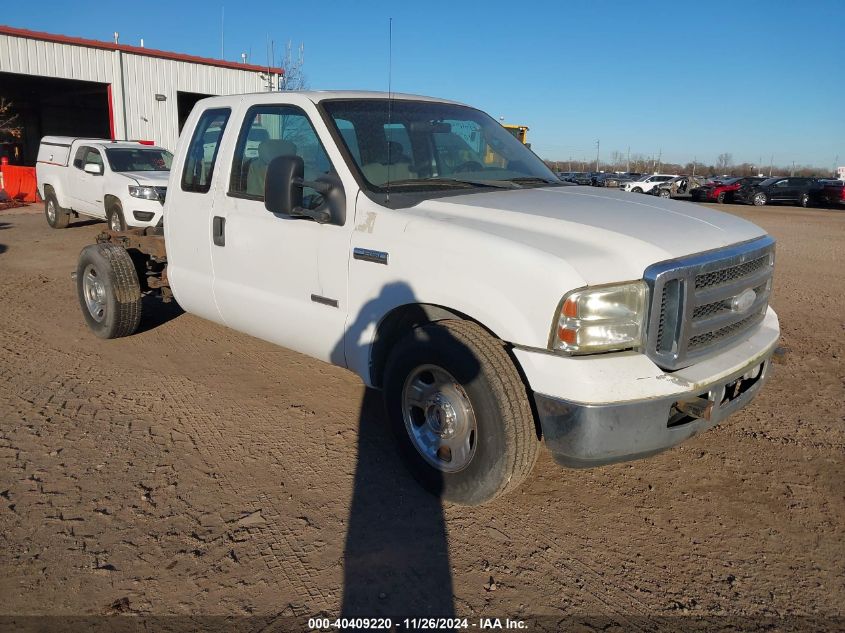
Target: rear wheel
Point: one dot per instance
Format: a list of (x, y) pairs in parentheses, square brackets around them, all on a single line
[(460, 412), (721, 197), (115, 217), (805, 200), (664, 193), (57, 217), (637, 190), (760, 199), (108, 290)]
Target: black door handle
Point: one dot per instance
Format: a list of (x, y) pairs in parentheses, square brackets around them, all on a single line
[(218, 230)]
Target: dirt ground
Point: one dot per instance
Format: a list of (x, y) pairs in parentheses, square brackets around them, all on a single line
[(192, 470)]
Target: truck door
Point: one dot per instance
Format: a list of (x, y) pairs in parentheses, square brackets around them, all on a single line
[(280, 278), (86, 190), (190, 206)]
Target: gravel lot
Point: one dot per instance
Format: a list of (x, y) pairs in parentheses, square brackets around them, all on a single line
[(190, 469)]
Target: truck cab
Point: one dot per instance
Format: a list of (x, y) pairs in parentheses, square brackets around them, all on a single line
[(122, 182), (417, 243)]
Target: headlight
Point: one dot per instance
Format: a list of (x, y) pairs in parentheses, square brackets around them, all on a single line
[(601, 319), (147, 193)]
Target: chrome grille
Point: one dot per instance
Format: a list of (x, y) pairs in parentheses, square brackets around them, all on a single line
[(695, 309)]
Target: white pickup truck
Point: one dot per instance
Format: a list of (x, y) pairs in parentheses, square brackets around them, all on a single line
[(123, 182), (417, 243)]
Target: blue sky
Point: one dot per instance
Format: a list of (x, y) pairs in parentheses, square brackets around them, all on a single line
[(755, 79)]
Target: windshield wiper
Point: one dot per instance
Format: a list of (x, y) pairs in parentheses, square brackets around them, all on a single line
[(450, 182)]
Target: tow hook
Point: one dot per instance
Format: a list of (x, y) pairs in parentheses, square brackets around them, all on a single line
[(698, 408)]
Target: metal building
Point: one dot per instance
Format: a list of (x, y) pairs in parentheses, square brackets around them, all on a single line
[(78, 87)]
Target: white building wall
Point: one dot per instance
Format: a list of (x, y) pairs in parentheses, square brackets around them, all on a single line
[(144, 77), (135, 80)]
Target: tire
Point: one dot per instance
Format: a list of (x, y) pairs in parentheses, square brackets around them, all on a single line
[(57, 217), (760, 199), (108, 290), (721, 197), (804, 200), (479, 377), (664, 193), (637, 190), (114, 216)]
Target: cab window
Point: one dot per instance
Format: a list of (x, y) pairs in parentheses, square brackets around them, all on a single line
[(202, 151), (271, 131)]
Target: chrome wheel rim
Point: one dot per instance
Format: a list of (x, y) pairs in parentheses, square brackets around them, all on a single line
[(51, 211), (94, 291), (664, 193), (805, 200), (760, 199), (439, 418), (114, 222)]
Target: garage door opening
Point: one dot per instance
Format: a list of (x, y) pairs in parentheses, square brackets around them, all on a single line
[(185, 102), (48, 106)]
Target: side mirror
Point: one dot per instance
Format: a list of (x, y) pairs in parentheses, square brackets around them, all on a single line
[(283, 187), (93, 168), (283, 184)]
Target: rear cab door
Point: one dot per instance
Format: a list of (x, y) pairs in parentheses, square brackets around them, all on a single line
[(190, 206)]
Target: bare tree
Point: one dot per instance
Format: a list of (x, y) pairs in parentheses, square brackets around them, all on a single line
[(724, 161), (293, 78), (8, 121)]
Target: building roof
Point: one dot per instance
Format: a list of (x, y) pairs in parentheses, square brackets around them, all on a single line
[(136, 50)]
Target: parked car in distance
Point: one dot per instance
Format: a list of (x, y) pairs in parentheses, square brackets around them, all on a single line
[(781, 190), (833, 193), (628, 343), (722, 191), (581, 178), (647, 182), (611, 179), (678, 187), (122, 182)]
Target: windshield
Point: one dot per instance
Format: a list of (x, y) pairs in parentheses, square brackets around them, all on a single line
[(420, 146), (132, 159)]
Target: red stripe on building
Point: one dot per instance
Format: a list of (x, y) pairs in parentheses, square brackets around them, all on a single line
[(137, 50), (111, 112)]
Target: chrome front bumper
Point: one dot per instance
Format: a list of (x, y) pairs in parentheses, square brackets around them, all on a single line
[(584, 435)]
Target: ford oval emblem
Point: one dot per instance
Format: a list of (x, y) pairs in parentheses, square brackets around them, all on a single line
[(743, 301)]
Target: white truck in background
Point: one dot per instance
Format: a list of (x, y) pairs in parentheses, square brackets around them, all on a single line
[(417, 243), (122, 182)]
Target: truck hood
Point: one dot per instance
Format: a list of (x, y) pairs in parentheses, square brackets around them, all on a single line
[(606, 236), (151, 178)]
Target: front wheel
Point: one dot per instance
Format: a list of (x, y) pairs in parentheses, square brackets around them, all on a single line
[(460, 412), (760, 200), (664, 193), (115, 217), (637, 190), (109, 291)]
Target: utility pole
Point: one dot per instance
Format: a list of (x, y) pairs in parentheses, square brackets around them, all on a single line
[(771, 161), (792, 173), (597, 154), (659, 157), (570, 163), (628, 161), (694, 160)]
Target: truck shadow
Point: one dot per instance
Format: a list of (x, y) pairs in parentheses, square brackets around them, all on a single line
[(155, 312), (396, 555)]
